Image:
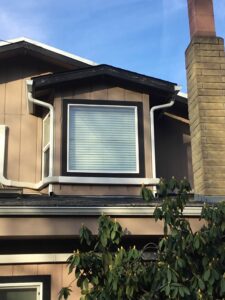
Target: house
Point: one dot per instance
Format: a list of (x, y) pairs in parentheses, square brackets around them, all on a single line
[(79, 139)]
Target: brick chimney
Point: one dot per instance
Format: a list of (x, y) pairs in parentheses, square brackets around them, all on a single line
[(205, 65), (201, 18)]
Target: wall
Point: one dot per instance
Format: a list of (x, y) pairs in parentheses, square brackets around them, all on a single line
[(58, 272), (173, 148), (104, 91), (24, 130), (205, 63)]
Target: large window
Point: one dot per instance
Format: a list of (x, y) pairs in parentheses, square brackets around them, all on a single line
[(25, 287), (102, 138)]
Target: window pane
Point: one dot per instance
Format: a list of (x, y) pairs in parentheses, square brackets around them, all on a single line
[(46, 131), (46, 164), (18, 294), (102, 139)]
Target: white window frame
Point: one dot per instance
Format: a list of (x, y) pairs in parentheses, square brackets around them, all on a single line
[(23, 285), (136, 139), (46, 147)]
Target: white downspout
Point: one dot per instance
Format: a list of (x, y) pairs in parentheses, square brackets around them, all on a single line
[(52, 117), (152, 110)]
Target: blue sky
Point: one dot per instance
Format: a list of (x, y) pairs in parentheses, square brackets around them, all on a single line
[(146, 36)]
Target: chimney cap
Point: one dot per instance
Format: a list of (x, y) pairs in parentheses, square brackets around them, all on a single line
[(201, 18)]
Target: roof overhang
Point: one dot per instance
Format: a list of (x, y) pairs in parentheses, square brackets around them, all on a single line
[(24, 46), (131, 79)]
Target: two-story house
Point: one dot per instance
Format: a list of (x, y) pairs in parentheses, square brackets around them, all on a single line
[(79, 139)]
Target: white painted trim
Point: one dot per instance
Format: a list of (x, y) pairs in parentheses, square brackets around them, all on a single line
[(184, 95), (25, 285), (192, 211), (33, 258), (49, 48), (46, 147)]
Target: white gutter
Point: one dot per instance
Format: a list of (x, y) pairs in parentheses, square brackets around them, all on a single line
[(152, 110), (189, 211)]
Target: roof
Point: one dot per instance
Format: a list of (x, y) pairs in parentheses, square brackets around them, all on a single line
[(133, 79), (24, 45), (83, 205)]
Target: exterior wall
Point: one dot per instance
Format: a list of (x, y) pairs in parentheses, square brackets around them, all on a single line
[(99, 92), (24, 138), (46, 227), (205, 63), (58, 272), (173, 149)]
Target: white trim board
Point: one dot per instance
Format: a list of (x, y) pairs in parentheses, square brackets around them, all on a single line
[(192, 211), (33, 258)]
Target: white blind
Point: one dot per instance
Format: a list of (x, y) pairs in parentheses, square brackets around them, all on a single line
[(102, 139)]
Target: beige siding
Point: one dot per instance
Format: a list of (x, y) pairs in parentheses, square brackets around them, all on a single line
[(24, 138), (99, 92), (58, 272), (69, 226)]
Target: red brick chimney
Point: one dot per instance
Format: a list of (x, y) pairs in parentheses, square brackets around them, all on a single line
[(201, 18), (205, 65)]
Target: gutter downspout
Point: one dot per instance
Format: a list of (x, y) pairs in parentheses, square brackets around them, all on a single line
[(152, 110), (3, 128), (32, 101)]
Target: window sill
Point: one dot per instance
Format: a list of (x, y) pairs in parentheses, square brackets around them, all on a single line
[(106, 180)]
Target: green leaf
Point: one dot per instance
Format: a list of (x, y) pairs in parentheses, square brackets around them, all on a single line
[(181, 291), (201, 284), (186, 291), (169, 275), (64, 293), (167, 290), (222, 287), (113, 234), (206, 275), (147, 194)]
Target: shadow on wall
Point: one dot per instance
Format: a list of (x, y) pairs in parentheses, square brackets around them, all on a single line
[(173, 148)]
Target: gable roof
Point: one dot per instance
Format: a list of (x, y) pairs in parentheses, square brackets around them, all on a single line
[(56, 56), (133, 79)]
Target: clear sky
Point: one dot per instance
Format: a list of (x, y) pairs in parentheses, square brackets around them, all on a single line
[(145, 36)]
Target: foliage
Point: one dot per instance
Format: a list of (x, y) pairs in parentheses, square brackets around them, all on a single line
[(188, 265)]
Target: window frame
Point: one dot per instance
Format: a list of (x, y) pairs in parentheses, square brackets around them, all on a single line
[(42, 283), (24, 285), (138, 108), (45, 148)]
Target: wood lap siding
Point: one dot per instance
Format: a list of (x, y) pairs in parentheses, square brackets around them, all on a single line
[(58, 272), (99, 92), (24, 139)]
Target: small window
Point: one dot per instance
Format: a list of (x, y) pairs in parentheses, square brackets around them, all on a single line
[(46, 146), (21, 291), (25, 287), (103, 139)]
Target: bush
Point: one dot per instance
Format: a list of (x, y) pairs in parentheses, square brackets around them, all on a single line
[(188, 265)]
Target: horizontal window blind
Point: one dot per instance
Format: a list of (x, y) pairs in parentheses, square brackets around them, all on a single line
[(102, 139)]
